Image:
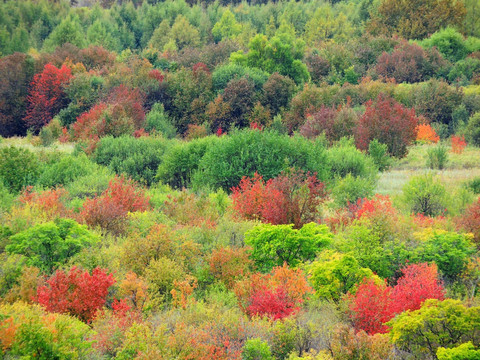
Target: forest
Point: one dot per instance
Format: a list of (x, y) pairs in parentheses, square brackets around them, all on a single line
[(240, 180)]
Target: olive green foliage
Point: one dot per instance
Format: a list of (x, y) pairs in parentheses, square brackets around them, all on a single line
[(472, 130), (157, 121), (66, 170), (138, 158), (436, 324), (273, 245), (49, 245), (350, 188), (182, 159), (379, 154), (345, 158), (256, 349), (334, 274), (245, 152), (18, 168), (425, 194), (223, 74), (437, 157), (44, 336), (449, 250)]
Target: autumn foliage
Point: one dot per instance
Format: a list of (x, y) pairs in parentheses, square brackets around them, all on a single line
[(46, 96), (458, 144), (77, 292), (470, 220), (390, 123), (291, 198), (426, 134), (375, 303)]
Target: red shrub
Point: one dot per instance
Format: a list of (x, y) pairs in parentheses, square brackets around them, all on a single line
[(290, 198), (321, 121), (375, 304), (157, 75), (109, 210), (470, 220), (418, 283), (49, 201), (229, 264), (272, 303), (77, 293), (390, 123), (46, 96), (458, 144)]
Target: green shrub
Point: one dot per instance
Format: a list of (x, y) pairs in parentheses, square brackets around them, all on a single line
[(248, 151), (89, 185), (437, 157), (66, 170), (157, 121), (274, 245), (18, 168), (181, 160), (379, 154), (472, 130), (464, 351), (474, 185), (51, 244), (137, 158), (46, 136), (344, 159), (256, 349), (223, 74), (6, 198), (351, 188), (425, 194)]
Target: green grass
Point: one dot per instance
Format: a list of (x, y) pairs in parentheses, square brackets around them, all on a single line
[(28, 143)]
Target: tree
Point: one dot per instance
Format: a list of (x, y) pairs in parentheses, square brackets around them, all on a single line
[(77, 293), (273, 245), (278, 90), (68, 31), (227, 27), (50, 245), (416, 19), (46, 95), (18, 168), (16, 72), (390, 123), (436, 324)]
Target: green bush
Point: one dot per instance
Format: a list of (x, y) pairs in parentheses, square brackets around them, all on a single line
[(18, 168), (137, 158), (464, 351), (6, 198), (351, 188), (344, 159), (274, 245), (437, 157), (472, 131), (256, 349), (181, 160), (379, 154), (89, 185), (66, 170), (157, 121), (223, 74), (51, 244), (425, 194), (474, 185), (248, 151), (46, 136)]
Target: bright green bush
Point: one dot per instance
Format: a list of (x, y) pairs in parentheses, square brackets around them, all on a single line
[(351, 188), (464, 351), (273, 245), (49, 245), (379, 154), (18, 168), (425, 194), (137, 158), (158, 122), (248, 151), (256, 349), (437, 157), (181, 160), (223, 74), (345, 158)]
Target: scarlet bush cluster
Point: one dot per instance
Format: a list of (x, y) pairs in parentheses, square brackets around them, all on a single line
[(470, 220), (111, 208), (46, 96), (375, 303), (77, 293), (291, 198), (458, 144), (390, 123)]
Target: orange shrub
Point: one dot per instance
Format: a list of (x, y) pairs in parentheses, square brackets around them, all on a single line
[(426, 134)]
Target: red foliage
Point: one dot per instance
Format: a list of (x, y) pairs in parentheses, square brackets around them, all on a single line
[(90, 126), (375, 304), (390, 123), (321, 121), (418, 283), (426, 134), (256, 126), (77, 293), (272, 303), (46, 96), (290, 198), (157, 75), (458, 144), (140, 133), (50, 201), (111, 208), (470, 220), (368, 208), (200, 67), (131, 103), (371, 307), (219, 132), (229, 264)]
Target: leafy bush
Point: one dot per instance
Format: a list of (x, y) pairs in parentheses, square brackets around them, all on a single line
[(345, 159), (138, 158), (425, 194), (18, 168), (470, 220), (274, 245), (77, 293), (48, 246), (256, 349), (28, 331), (158, 122), (437, 157), (245, 152), (379, 154), (347, 190), (473, 129)]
